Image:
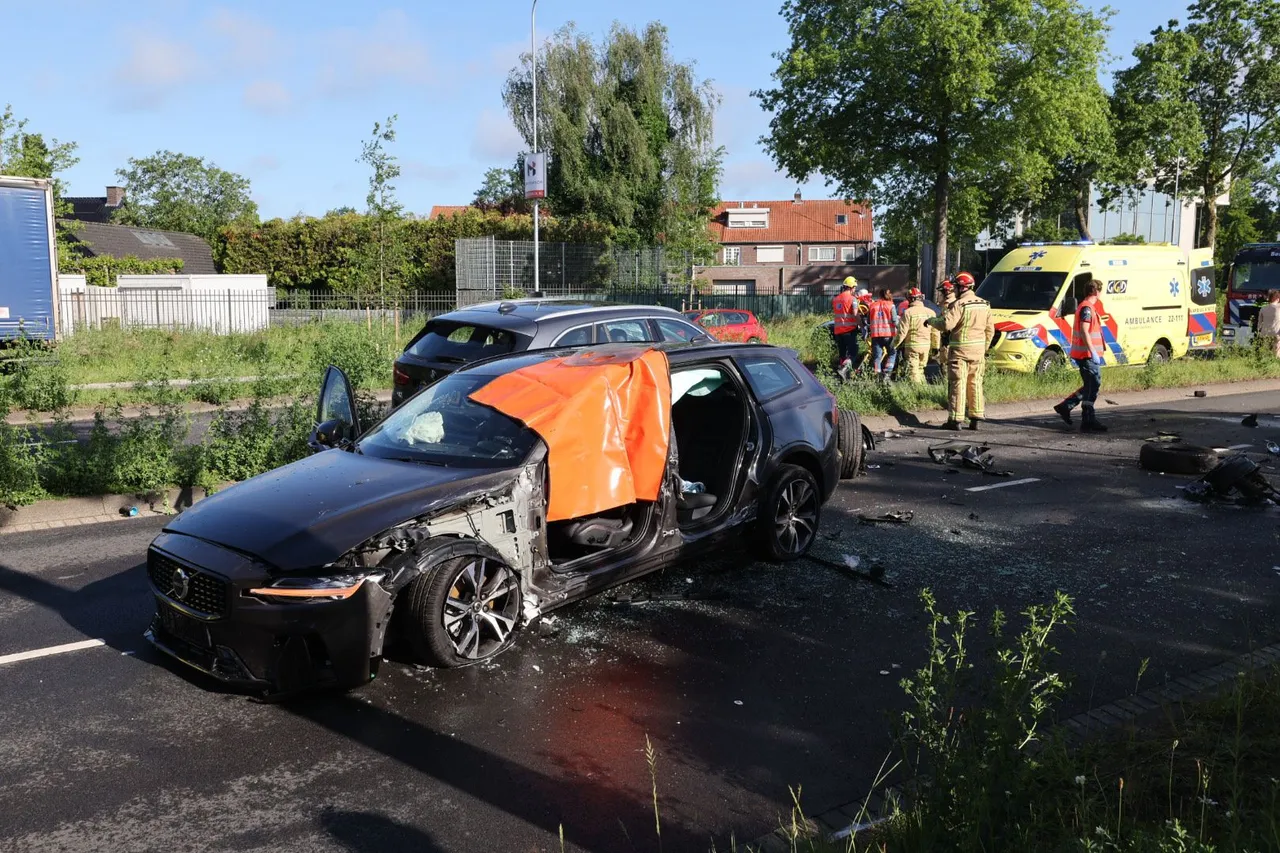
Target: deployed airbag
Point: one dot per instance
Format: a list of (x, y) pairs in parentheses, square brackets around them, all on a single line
[(606, 421)]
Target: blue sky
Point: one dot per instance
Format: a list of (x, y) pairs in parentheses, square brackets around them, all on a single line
[(285, 91)]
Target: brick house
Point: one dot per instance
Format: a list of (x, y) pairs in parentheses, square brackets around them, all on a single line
[(795, 246)]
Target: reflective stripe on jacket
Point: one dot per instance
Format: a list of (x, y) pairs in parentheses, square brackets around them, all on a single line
[(881, 318), (845, 313), (969, 321), (1086, 336), (914, 333)]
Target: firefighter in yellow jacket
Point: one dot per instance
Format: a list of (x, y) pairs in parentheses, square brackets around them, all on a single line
[(970, 326), (914, 337)]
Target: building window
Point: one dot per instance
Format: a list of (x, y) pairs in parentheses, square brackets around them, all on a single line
[(822, 253), (842, 219), (831, 288), (732, 256), (733, 288), (769, 254), (849, 254)]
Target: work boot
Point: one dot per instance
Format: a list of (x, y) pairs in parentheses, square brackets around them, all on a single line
[(843, 372), (954, 426), (973, 424), (1064, 412), (1090, 423)]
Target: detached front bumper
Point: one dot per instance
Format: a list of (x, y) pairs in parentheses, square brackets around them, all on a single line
[(205, 619)]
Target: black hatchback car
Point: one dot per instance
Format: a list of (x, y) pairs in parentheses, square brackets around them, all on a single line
[(435, 526), (490, 329)]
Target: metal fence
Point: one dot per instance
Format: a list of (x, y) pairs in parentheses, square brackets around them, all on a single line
[(491, 269), (228, 311), (247, 311)]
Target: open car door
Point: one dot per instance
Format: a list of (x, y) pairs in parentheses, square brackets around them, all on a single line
[(336, 422)]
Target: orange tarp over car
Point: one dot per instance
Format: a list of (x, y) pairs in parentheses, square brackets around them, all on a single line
[(606, 420)]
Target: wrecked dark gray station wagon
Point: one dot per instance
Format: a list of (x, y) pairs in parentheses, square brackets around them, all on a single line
[(503, 491)]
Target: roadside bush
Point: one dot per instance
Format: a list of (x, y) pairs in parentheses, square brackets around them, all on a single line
[(216, 392), (19, 462), (144, 459), (71, 467), (40, 381), (349, 346), (292, 428), (240, 445)]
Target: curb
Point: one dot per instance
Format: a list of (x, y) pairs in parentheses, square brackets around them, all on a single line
[(74, 512), (858, 815), (1042, 406)]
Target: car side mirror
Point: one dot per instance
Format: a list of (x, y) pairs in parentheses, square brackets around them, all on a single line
[(327, 435), (1069, 305)]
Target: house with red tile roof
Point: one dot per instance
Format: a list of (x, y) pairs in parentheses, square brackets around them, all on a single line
[(439, 211), (795, 246)]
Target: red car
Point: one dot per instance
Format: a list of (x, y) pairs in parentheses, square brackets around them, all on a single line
[(730, 324)]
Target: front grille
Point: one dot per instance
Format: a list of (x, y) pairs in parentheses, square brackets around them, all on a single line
[(193, 589)]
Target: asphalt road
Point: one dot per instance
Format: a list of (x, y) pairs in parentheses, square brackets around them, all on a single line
[(772, 679)]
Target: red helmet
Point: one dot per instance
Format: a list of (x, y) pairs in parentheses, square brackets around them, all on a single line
[(915, 293), (964, 279), (864, 297), (947, 285)]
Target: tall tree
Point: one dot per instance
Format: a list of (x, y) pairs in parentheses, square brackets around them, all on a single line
[(503, 190), (930, 103), (386, 257), (1199, 104), (628, 130), (179, 192), (28, 155)]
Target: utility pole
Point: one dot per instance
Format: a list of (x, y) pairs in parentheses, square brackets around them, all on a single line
[(533, 60)]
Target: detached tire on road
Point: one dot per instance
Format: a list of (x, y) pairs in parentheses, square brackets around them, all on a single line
[(1177, 458), (849, 443)]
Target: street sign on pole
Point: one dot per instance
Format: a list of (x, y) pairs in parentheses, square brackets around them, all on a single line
[(535, 175)]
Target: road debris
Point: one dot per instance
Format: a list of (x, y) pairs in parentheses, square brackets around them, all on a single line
[(1110, 402), (1235, 474), (1249, 421), (1273, 448), (896, 517), (850, 566), (971, 456), (1199, 394), (623, 599), (737, 701)]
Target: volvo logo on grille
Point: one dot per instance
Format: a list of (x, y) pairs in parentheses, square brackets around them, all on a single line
[(179, 584)]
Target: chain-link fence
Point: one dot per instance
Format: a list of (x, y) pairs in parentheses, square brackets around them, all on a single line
[(490, 269)]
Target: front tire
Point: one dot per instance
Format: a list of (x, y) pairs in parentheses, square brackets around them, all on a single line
[(463, 611), (849, 444), (787, 524), (1050, 361)]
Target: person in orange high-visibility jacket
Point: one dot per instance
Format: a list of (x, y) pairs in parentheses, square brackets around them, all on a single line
[(882, 317), (845, 310), (914, 336), (970, 326), (1087, 351)]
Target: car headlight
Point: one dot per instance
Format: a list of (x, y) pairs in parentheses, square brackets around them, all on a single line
[(332, 588), (1020, 335)]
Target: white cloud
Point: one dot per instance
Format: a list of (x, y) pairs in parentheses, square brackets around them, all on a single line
[(362, 59), (153, 68), (495, 138), (250, 41), (269, 97)]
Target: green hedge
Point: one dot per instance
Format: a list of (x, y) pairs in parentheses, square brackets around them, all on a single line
[(306, 252), (101, 271)]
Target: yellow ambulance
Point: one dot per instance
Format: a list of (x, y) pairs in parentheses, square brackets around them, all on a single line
[(1158, 302)]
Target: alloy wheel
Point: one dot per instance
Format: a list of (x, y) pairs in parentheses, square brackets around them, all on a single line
[(481, 609), (796, 519)]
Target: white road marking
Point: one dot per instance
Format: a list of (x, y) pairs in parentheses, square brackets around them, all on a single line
[(50, 650), (1004, 485)]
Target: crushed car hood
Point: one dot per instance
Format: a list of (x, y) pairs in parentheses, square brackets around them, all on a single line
[(308, 514)]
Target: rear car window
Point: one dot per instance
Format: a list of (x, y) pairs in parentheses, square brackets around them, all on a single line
[(624, 331), (768, 377), (462, 342), (674, 330), (578, 337)]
